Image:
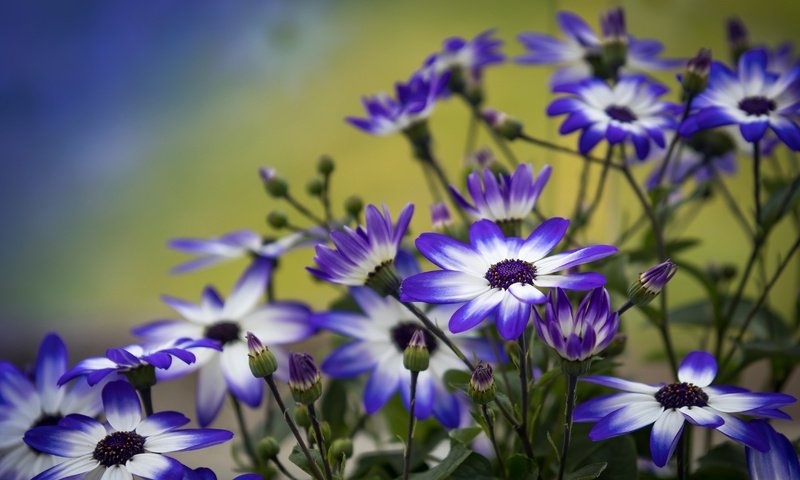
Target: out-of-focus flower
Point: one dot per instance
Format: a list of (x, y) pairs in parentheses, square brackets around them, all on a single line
[(380, 336), (779, 461), (752, 98), (503, 198), (579, 55), (465, 60), (738, 39), (227, 321), (363, 256), (581, 335), (499, 276), (667, 406), (695, 79), (26, 403), (651, 282), (414, 104), (628, 111), (128, 446), (440, 216)]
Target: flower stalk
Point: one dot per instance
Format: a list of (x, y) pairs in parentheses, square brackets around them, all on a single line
[(569, 409)]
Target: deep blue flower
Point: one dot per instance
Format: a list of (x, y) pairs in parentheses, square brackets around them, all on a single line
[(414, 104), (27, 402), (580, 335), (501, 197), (466, 59), (779, 461), (753, 98), (126, 359), (380, 335), (628, 111), (667, 406), (581, 47), (128, 445), (499, 276), (227, 321), (360, 254)]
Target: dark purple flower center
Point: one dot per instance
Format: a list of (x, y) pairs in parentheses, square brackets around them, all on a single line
[(754, 106), (508, 272), (677, 395), (402, 333), (621, 114), (224, 332), (118, 448)]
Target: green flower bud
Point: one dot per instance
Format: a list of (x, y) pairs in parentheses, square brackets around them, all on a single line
[(262, 361), (651, 282), (354, 206), (481, 387), (695, 78), (315, 187), (277, 220), (340, 447), (276, 186), (416, 357), (509, 128), (268, 448), (305, 381), (327, 434), (325, 165), (301, 415)]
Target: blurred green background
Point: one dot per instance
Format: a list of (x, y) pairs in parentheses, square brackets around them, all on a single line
[(127, 124)]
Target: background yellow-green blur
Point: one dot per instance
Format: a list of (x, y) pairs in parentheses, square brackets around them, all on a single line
[(126, 124)]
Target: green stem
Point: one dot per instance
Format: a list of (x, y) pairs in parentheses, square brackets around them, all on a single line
[(675, 140), (560, 148), (326, 198), (282, 468), (323, 449), (569, 408), (472, 130), (682, 463), (147, 400), (757, 181), (625, 308), (523, 382), (411, 421), (248, 443), (584, 218), (493, 438), (305, 211)]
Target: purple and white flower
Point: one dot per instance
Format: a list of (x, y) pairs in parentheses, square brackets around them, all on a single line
[(753, 98), (577, 336), (628, 111), (499, 276), (241, 243), (26, 403), (415, 102), (666, 407), (503, 198), (360, 254), (466, 59), (124, 446), (126, 359), (581, 49), (380, 336), (779, 461), (227, 321)]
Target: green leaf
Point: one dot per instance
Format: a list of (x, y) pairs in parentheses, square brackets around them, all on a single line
[(475, 467), (723, 462), (458, 454), (379, 465), (456, 379), (298, 458), (589, 472), (773, 349), (520, 468), (584, 452), (783, 200), (334, 406), (547, 377), (465, 435)]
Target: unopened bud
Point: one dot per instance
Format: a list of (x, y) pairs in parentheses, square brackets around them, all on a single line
[(305, 381), (501, 123), (482, 388), (341, 447), (695, 78), (354, 206), (301, 415), (315, 187), (268, 448), (651, 282), (440, 216), (262, 361), (325, 165), (277, 220), (738, 39), (267, 174), (615, 40), (276, 186), (416, 357), (327, 434)]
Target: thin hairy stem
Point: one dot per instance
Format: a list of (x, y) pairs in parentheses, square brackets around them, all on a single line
[(323, 449), (411, 422)]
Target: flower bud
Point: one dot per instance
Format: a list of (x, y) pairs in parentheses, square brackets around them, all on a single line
[(481, 385), (482, 158), (275, 186), (651, 282), (305, 381), (325, 165), (262, 361), (738, 39), (267, 174), (501, 123), (695, 78), (277, 220), (301, 415), (315, 187), (325, 428), (615, 40), (416, 357), (440, 216), (354, 206), (268, 448), (340, 447)]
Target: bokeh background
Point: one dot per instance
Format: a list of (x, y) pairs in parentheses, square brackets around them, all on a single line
[(125, 124)]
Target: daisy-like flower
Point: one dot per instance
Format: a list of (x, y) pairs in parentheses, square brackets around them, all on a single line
[(581, 51), (127, 445), (361, 256), (505, 199), (666, 407), (780, 461), (577, 336), (466, 59), (134, 357), (238, 244), (414, 104), (628, 111), (499, 276), (227, 321), (380, 336), (753, 98), (26, 403)]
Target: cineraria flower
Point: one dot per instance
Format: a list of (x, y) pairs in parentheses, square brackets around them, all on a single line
[(651, 282), (127, 445), (752, 98), (667, 406), (133, 357), (779, 461), (499, 276), (226, 322), (27, 403), (414, 104), (238, 244), (503, 198), (581, 335), (360, 255), (465, 59), (380, 336), (581, 51), (630, 110)]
